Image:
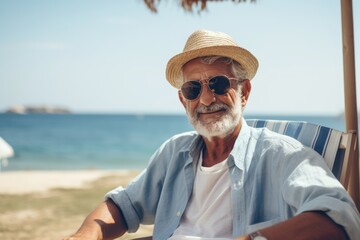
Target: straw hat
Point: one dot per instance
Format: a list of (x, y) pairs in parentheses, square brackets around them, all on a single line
[(207, 43)]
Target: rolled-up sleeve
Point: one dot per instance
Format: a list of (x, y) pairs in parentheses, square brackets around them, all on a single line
[(122, 200), (312, 187), (138, 201)]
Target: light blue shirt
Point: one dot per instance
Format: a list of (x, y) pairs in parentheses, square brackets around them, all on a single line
[(273, 178)]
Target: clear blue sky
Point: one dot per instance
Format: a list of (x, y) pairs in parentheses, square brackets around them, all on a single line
[(110, 56)]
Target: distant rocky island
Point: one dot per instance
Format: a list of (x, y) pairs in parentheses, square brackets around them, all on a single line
[(44, 109)]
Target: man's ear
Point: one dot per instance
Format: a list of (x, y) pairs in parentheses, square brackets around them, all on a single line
[(246, 89), (182, 99)]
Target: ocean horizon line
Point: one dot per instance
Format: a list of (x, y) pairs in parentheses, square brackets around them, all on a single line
[(246, 114)]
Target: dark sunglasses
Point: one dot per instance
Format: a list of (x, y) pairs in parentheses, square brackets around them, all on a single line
[(219, 85)]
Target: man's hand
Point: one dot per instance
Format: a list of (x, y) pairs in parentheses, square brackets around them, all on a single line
[(77, 237), (82, 236), (85, 233)]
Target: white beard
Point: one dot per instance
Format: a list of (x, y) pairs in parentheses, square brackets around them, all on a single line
[(219, 127)]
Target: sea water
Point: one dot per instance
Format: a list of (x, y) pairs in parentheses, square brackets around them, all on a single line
[(100, 141)]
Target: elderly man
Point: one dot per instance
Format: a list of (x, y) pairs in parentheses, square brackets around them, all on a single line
[(226, 180)]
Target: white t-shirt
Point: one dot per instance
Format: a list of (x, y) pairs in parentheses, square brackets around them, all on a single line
[(208, 214)]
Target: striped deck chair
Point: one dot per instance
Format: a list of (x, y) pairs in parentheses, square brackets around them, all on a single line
[(336, 147)]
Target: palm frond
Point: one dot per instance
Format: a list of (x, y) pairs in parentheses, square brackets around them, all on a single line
[(189, 5)]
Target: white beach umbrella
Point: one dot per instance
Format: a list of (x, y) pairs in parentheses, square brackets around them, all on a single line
[(6, 151)]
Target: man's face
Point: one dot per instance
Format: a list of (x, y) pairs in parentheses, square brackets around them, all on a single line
[(210, 114)]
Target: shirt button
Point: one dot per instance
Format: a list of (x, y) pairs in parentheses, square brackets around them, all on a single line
[(178, 214), (237, 185)]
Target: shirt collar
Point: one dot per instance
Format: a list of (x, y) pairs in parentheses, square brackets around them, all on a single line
[(194, 149), (237, 155)]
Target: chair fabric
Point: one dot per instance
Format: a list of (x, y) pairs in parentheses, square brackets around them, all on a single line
[(324, 140)]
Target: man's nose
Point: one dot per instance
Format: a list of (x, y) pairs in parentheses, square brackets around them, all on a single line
[(207, 97)]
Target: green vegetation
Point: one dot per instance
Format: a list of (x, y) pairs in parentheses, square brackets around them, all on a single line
[(56, 213)]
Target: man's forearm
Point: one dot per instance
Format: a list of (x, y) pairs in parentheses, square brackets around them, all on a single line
[(105, 222), (308, 225)]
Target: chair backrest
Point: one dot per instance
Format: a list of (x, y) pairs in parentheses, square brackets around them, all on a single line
[(336, 147)]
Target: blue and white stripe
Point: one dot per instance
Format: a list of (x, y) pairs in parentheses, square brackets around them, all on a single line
[(322, 139)]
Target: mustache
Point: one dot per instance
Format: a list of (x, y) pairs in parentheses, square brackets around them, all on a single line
[(211, 108)]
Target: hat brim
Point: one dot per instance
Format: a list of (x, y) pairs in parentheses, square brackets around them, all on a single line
[(241, 55)]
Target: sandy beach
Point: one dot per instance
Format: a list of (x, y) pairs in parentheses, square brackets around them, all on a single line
[(52, 204), (22, 182)]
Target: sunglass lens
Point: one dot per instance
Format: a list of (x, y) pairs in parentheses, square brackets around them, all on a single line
[(191, 89), (219, 84)]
